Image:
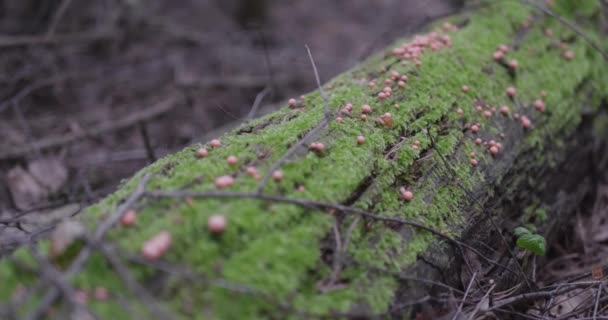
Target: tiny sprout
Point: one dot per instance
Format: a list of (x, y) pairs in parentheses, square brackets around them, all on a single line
[(101, 294), (360, 140), (539, 105), (473, 162), (459, 111), (128, 219), (156, 246), (202, 153), (498, 55), (252, 171), (224, 182), (277, 175), (232, 160), (80, 296), (465, 88), (387, 119), (317, 146), (504, 110), (525, 122), (494, 150), (216, 223), (366, 109), (406, 194), (292, 102), (215, 143), (511, 92), (339, 119), (474, 128)]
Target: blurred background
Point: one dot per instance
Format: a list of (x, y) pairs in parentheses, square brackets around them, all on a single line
[(91, 91)]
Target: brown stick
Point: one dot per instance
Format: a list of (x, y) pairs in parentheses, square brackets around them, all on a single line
[(133, 118)]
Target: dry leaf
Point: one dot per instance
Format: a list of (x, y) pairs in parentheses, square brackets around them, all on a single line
[(27, 193)]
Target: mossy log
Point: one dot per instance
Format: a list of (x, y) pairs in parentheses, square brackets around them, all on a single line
[(279, 258)]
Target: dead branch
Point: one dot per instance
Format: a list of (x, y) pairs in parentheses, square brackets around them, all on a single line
[(133, 118)]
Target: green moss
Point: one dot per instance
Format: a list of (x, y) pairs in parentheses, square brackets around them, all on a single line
[(274, 249)]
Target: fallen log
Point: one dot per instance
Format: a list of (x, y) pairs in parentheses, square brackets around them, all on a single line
[(331, 209)]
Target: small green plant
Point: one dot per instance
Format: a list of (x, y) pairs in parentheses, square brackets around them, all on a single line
[(530, 241)]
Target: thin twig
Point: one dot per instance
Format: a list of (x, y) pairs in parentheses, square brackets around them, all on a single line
[(318, 205), (337, 263), (466, 293), (20, 41), (530, 296), (123, 272), (478, 306), (78, 263), (302, 141), (143, 130), (257, 102), (54, 277), (57, 17), (289, 153), (597, 300), (323, 94), (126, 122)]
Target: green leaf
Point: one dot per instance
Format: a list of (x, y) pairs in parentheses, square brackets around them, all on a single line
[(520, 231), (532, 242)]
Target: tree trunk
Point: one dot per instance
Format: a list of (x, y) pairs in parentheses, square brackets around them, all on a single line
[(354, 248)]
